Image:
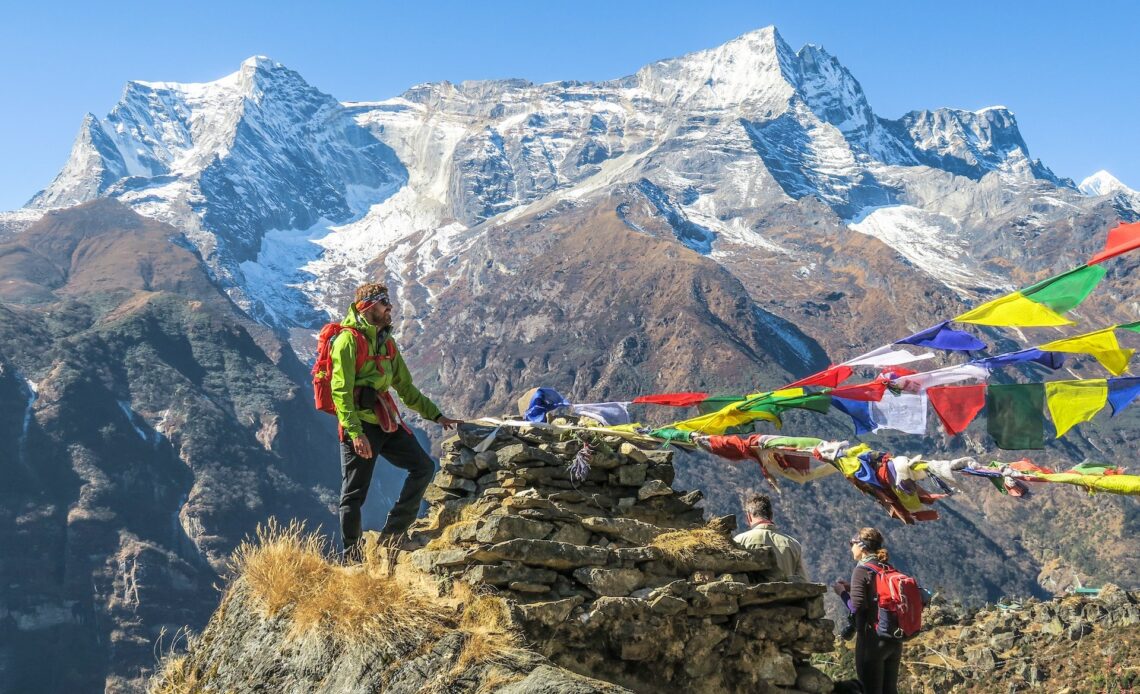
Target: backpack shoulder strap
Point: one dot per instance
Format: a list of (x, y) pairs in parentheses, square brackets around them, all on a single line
[(361, 344)]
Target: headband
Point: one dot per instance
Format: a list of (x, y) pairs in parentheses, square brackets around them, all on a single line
[(370, 300)]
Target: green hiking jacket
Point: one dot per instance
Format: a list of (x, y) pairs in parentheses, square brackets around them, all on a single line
[(345, 378)]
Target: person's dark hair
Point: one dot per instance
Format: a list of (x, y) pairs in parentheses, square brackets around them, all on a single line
[(366, 290), (872, 541), (759, 506)]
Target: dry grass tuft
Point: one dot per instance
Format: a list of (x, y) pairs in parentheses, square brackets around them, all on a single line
[(682, 546), (177, 677), (287, 569), (496, 678), (491, 635)]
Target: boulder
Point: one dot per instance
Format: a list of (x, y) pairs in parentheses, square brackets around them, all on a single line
[(503, 574), (461, 466), (446, 480), (764, 593), (502, 528), (632, 531), (653, 488), (551, 613), (610, 582), (668, 605), (630, 475), (427, 560), (571, 533), (633, 453), (517, 454)]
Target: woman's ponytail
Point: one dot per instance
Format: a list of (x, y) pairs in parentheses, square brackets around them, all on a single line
[(882, 555)]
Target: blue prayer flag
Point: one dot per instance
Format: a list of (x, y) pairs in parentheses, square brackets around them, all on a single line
[(544, 400), (1052, 360), (945, 338), (1121, 392), (859, 412)]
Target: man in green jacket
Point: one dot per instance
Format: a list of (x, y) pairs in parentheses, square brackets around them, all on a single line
[(369, 421)]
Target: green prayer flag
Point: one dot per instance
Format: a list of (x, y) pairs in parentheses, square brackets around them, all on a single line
[(1133, 326), (816, 402), (1015, 415), (670, 434), (716, 403), (1065, 292)]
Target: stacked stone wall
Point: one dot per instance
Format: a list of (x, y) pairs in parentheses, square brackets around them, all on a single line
[(591, 590)]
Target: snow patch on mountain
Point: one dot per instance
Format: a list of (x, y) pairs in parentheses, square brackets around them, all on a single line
[(933, 242), (1104, 183)]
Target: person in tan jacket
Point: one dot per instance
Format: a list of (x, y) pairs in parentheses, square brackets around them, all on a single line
[(763, 532)]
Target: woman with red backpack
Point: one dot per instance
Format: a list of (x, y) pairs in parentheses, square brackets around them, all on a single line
[(886, 607)]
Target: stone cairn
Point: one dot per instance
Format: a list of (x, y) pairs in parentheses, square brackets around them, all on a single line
[(576, 558)]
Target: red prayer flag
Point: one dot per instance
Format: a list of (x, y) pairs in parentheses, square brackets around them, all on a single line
[(828, 378), (897, 372), (957, 406), (866, 392), (1124, 238), (672, 399)]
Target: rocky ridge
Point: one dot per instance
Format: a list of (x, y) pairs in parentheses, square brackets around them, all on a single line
[(1072, 643), (615, 577)]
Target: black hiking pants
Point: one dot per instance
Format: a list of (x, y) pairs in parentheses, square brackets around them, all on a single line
[(877, 663), (399, 448)]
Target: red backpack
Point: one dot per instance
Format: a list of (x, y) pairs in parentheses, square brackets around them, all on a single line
[(322, 369), (900, 602)]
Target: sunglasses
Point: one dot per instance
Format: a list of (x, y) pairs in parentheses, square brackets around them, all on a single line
[(366, 304)]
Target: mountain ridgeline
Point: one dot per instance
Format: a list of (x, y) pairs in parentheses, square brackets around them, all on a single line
[(727, 220)]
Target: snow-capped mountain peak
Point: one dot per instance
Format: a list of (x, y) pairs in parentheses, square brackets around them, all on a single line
[(1104, 183), (754, 70), (289, 194)]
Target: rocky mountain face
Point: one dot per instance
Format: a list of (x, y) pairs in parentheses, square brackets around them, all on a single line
[(147, 425), (727, 220)]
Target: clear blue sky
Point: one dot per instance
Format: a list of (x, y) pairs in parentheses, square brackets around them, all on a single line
[(1068, 70)]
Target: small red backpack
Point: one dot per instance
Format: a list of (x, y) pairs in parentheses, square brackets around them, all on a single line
[(900, 602), (322, 369)]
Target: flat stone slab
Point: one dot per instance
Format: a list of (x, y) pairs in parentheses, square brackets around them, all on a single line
[(427, 560), (502, 528), (550, 613), (501, 575), (632, 531), (763, 593), (546, 553)]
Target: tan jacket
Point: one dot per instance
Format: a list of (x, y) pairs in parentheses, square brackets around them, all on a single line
[(786, 549)]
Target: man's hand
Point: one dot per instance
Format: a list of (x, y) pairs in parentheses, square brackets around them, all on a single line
[(362, 447), (447, 422)]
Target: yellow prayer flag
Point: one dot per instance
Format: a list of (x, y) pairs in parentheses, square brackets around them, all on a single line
[(849, 463), (1101, 344), (715, 423), (1013, 310), (1113, 484), (1073, 402)]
